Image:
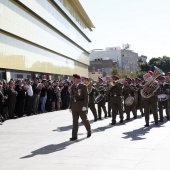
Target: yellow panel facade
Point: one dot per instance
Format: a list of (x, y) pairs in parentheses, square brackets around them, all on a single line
[(31, 58), (36, 36)]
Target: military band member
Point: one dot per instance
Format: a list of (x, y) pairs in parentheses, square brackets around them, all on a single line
[(150, 102), (116, 100), (79, 106), (139, 101), (101, 104), (128, 91), (108, 100), (164, 89), (91, 105)]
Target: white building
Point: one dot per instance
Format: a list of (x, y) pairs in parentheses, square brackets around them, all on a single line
[(126, 59)]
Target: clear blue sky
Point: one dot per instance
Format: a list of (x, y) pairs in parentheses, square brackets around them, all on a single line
[(144, 24)]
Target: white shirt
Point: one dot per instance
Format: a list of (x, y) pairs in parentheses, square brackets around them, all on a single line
[(29, 90)]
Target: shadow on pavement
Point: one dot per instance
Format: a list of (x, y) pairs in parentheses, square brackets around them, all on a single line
[(52, 148), (69, 127), (138, 134), (101, 129)]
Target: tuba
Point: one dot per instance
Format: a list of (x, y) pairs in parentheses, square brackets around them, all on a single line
[(151, 85)]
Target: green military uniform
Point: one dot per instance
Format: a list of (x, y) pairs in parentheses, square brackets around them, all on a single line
[(139, 104), (127, 91), (91, 104), (101, 104), (163, 90), (116, 102), (79, 99), (109, 104), (151, 102)]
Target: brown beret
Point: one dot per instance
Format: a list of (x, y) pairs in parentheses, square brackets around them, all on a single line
[(150, 72), (128, 79), (100, 79), (86, 78), (125, 83), (116, 77), (162, 77), (77, 76), (138, 79)]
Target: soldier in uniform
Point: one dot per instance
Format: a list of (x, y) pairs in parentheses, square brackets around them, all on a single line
[(139, 103), (108, 99), (78, 106), (91, 105), (164, 89), (116, 100), (128, 90), (101, 104), (150, 102)]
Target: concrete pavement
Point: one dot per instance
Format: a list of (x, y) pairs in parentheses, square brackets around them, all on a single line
[(41, 142)]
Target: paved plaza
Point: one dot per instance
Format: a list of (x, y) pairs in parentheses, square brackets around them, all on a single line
[(41, 142)]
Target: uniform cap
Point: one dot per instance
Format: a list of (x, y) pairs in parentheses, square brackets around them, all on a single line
[(116, 77), (86, 78), (100, 79), (77, 76), (150, 72), (146, 76), (125, 83), (162, 77), (138, 79), (128, 79), (167, 78)]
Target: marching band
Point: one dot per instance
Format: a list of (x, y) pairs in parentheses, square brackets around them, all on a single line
[(150, 95)]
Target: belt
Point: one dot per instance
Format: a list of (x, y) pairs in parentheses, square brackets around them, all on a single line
[(79, 99)]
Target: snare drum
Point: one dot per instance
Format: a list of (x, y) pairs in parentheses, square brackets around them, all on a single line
[(129, 101), (163, 97), (98, 98)]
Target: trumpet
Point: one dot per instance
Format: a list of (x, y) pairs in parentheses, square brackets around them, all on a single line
[(113, 83)]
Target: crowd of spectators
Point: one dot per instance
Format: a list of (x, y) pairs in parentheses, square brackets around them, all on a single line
[(25, 97)]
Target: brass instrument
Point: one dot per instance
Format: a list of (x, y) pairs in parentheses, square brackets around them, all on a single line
[(112, 83), (89, 87), (151, 85), (103, 88)]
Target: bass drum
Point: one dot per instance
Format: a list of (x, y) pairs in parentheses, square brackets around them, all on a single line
[(98, 98), (163, 97), (129, 101)]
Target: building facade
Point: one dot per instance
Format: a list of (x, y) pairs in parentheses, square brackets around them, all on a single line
[(45, 38), (125, 59), (101, 68)]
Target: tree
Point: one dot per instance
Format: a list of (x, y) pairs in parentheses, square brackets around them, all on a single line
[(161, 62), (114, 71)]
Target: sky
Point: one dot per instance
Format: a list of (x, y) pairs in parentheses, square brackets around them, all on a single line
[(144, 24)]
